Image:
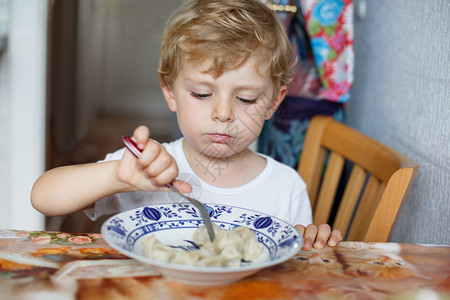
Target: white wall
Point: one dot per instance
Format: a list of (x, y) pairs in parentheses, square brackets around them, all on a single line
[(22, 113), (401, 96)]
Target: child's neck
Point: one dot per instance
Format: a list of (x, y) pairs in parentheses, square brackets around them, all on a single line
[(227, 172)]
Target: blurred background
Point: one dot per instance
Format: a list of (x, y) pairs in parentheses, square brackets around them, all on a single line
[(76, 75)]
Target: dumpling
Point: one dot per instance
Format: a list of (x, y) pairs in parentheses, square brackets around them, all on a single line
[(232, 256), (155, 250), (227, 237), (211, 261), (207, 249), (252, 249), (162, 253), (228, 249), (245, 232), (147, 244), (187, 258), (201, 234)]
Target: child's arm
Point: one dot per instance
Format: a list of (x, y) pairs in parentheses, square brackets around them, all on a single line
[(68, 189), (318, 237)]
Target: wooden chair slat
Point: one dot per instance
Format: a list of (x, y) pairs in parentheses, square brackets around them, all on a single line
[(366, 208), (350, 198), (327, 193), (391, 177)]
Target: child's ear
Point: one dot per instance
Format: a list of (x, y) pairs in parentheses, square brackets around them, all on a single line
[(170, 99), (276, 102)]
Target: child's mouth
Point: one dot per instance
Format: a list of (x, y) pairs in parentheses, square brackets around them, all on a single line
[(220, 138)]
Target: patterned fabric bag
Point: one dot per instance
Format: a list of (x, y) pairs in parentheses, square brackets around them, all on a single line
[(321, 34)]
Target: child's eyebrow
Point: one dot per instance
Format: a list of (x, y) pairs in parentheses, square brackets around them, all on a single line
[(198, 81), (259, 88)]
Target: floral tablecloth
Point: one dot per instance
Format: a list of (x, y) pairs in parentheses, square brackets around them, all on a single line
[(84, 266)]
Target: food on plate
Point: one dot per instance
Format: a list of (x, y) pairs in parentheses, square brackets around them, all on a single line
[(229, 248)]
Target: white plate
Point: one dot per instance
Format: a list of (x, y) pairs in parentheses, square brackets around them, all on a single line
[(174, 225)]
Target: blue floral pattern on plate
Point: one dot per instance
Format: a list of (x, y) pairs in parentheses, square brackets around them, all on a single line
[(174, 225)]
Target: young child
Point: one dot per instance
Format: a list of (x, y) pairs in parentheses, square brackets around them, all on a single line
[(224, 68)]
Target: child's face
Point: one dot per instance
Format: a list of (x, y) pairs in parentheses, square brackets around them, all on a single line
[(223, 116)]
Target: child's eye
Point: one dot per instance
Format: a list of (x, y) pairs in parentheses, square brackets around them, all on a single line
[(247, 101), (200, 95)]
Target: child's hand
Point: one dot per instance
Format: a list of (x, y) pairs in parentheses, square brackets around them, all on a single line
[(318, 237), (152, 170)]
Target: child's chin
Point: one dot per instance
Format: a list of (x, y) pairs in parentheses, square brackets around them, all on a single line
[(219, 150)]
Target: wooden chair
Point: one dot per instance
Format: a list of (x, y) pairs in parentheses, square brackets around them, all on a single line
[(374, 191)]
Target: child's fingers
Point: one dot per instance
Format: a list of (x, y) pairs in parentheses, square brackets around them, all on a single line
[(157, 164), (335, 238), (150, 153), (141, 136), (323, 234), (160, 164), (309, 237), (182, 186), (300, 229), (165, 177)]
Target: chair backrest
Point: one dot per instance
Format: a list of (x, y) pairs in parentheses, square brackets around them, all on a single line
[(373, 190)]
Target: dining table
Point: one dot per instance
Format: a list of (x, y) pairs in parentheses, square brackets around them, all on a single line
[(61, 265)]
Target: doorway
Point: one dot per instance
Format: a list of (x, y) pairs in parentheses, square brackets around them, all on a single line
[(103, 58)]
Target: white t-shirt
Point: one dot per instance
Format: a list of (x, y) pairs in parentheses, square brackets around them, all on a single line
[(278, 191)]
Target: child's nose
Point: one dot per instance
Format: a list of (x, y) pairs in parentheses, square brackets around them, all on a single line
[(223, 110)]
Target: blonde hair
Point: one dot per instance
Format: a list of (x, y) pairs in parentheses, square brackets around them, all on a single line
[(225, 33)]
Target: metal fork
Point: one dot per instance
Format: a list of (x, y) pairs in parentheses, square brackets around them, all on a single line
[(131, 145)]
